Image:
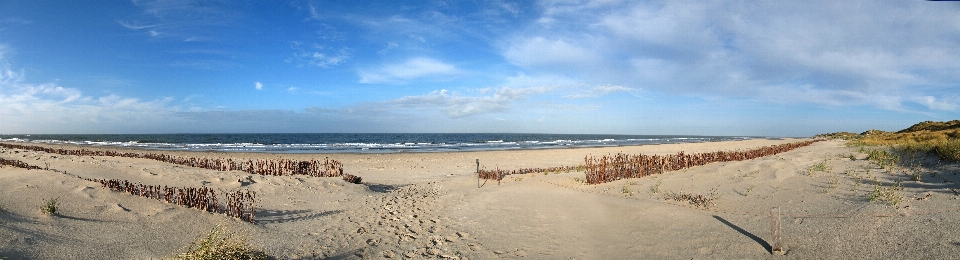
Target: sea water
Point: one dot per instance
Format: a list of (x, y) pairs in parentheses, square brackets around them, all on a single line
[(359, 142)]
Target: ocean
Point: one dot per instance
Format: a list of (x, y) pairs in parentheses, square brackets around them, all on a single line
[(359, 143)]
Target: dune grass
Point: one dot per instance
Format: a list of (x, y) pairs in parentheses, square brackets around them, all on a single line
[(945, 144), (938, 138), (220, 243)]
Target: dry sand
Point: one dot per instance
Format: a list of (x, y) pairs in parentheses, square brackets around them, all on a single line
[(428, 205)]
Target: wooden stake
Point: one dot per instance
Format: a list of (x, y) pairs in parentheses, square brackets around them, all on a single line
[(776, 243)]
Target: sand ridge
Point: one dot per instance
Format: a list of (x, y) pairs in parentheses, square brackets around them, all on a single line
[(429, 206)]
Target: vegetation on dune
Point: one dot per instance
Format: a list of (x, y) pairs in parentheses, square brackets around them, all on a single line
[(940, 138), (900, 150), (932, 126), (221, 244)]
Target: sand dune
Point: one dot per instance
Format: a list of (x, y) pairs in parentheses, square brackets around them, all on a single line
[(428, 205)]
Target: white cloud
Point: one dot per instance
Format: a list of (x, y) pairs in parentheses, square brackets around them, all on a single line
[(324, 60), (937, 104), (49, 108), (415, 68), (878, 53), (538, 51), (258, 85), (455, 105)]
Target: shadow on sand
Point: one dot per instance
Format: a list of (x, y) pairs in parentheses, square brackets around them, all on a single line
[(759, 240), (284, 216)]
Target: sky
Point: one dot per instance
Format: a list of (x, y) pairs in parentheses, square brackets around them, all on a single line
[(744, 68)]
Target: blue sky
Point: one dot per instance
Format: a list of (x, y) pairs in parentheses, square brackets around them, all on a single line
[(771, 68)]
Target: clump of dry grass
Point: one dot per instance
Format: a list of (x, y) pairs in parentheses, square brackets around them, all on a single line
[(221, 244), (699, 200)]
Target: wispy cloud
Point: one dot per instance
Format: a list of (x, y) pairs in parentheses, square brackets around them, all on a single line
[(136, 26), (601, 90), (206, 64), (258, 85), (180, 19), (16, 20), (415, 68), (319, 59), (390, 46), (316, 55)]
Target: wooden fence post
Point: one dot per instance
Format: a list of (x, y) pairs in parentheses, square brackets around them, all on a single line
[(776, 243)]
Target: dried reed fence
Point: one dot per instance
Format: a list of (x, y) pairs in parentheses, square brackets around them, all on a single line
[(238, 204), (498, 174), (609, 168), (275, 167), (18, 164)]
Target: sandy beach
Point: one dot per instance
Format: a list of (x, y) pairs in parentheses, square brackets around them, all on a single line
[(429, 205)]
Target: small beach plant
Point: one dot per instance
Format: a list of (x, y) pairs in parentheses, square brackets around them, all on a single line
[(579, 180), (49, 208), (626, 188), (915, 175), (747, 192), (834, 182), (819, 167), (889, 195)]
